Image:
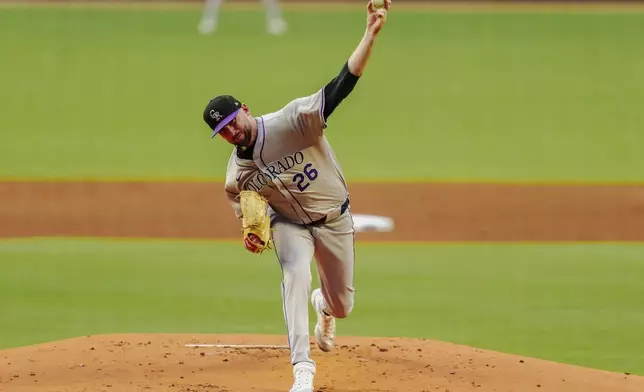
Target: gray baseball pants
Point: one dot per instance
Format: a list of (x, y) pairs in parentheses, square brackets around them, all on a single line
[(332, 245)]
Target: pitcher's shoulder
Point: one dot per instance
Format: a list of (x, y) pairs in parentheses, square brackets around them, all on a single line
[(237, 164), (269, 120)]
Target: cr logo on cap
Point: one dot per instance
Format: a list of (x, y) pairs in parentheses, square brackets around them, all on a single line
[(215, 115)]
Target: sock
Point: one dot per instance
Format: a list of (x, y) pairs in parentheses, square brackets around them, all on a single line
[(272, 9)]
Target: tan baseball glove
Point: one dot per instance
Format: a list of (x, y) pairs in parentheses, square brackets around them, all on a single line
[(256, 224)]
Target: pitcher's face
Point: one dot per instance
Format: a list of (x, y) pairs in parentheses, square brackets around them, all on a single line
[(239, 132)]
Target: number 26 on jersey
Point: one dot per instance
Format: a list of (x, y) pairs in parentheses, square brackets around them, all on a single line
[(304, 179)]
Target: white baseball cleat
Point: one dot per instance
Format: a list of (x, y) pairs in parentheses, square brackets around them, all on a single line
[(325, 326), (277, 26), (303, 374), (207, 25)]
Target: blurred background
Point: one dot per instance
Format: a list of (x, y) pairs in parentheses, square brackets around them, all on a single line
[(505, 92), (473, 115)]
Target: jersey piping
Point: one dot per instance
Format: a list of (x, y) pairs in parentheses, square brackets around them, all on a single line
[(261, 150)]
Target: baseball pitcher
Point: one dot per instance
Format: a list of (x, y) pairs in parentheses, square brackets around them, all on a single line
[(285, 185)]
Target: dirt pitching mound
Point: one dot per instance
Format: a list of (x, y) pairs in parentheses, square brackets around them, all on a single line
[(156, 362)]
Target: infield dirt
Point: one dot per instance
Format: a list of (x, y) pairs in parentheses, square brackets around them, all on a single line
[(162, 363), (421, 212)]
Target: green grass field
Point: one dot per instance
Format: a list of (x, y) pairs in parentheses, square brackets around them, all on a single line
[(493, 96), (578, 303)]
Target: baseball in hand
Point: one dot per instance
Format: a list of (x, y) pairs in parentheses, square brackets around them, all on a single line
[(377, 4)]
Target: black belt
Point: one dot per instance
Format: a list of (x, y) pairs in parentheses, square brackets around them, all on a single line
[(343, 209)]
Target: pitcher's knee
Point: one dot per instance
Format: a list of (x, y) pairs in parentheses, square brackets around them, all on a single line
[(341, 312), (341, 306)]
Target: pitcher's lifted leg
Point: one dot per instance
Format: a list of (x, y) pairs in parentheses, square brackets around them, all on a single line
[(335, 257)]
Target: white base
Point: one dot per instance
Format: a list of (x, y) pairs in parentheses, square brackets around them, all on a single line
[(374, 223)]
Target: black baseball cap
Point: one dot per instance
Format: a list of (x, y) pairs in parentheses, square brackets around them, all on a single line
[(220, 111)]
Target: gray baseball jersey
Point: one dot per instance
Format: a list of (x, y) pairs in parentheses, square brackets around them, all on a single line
[(293, 165), (295, 168)]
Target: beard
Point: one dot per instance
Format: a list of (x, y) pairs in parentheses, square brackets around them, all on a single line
[(244, 143)]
